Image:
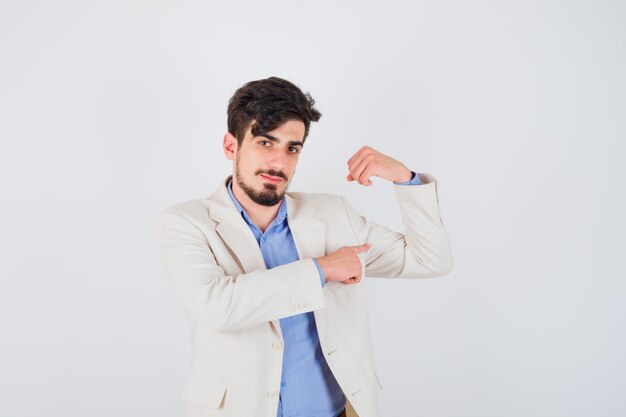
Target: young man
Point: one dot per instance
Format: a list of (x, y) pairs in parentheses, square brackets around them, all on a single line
[(271, 280)]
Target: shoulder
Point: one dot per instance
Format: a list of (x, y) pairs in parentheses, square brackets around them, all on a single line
[(324, 205), (194, 210), (315, 198)]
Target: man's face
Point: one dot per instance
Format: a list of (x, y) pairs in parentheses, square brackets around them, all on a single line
[(265, 165)]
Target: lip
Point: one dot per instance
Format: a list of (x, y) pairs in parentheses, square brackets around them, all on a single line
[(273, 180)]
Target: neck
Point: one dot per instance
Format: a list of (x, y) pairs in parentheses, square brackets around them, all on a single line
[(262, 216)]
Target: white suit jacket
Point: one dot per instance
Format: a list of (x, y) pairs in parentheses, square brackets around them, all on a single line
[(234, 303)]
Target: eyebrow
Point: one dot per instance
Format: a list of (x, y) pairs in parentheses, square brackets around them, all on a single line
[(274, 139)]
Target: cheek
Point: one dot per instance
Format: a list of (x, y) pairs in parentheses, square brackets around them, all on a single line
[(250, 162)]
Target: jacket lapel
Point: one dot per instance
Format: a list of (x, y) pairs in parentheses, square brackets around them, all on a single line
[(308, 232), (234, 230)]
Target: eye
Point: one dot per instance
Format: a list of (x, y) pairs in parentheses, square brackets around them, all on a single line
[(293, 149), (264, 141)]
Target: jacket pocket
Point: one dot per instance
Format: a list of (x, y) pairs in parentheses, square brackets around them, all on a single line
[(208, 394)]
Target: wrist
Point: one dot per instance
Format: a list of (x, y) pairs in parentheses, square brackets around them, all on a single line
[(320, 264)]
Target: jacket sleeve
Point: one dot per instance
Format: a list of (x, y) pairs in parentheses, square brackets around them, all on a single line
[(229, 303), (423, 251)]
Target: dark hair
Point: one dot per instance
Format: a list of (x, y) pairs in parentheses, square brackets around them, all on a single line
[(270, 102)]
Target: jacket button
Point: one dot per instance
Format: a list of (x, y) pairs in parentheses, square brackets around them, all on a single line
[(272, 394), (277, 345)]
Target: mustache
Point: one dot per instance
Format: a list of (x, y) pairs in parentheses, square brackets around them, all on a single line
[(273, 173)]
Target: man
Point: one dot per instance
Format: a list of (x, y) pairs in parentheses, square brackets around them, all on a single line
[(271, 280)]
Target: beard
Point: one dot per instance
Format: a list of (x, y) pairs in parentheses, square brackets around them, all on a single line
[(269, 196)]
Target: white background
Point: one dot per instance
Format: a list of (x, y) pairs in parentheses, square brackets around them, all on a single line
[(110, 111)]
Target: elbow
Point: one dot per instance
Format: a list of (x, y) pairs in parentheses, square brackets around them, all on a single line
[(445, 268), (445, 263), (439, 267)]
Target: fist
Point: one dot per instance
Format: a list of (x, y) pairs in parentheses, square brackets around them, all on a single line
[(368, 162)]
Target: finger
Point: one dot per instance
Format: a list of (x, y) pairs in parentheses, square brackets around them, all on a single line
[(361, 248), (358, 163), (370, 165), (359, 168), (366, 174), (358, 155), (349, 177)]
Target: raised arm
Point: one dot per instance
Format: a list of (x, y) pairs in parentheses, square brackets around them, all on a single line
[(423, 250)]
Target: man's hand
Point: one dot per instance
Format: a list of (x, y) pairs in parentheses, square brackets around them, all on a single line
[(369, 162), (343, 265)]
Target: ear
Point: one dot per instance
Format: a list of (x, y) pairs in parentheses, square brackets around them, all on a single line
[(230, 146)]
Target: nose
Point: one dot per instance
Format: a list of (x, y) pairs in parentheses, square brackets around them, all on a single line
[(277, 160)]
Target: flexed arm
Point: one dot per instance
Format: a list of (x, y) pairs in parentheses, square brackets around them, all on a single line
[(423, 251)]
